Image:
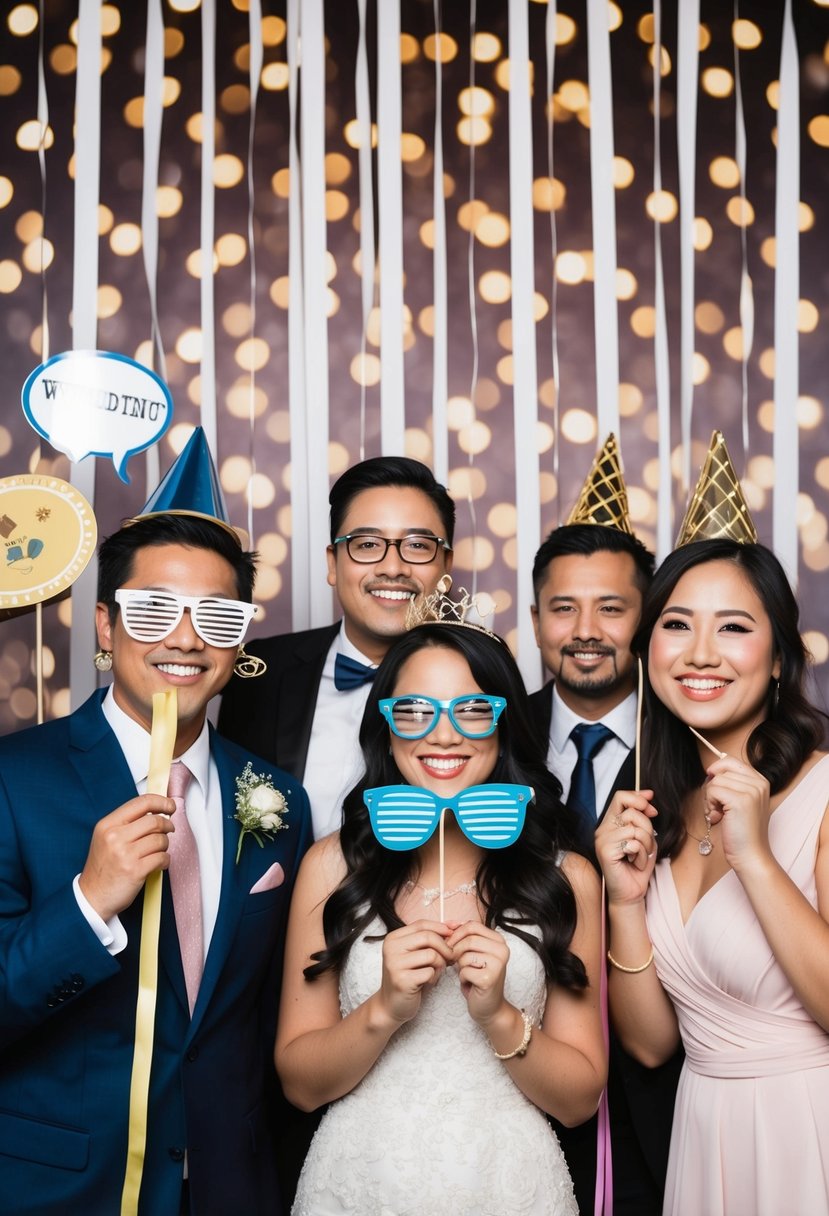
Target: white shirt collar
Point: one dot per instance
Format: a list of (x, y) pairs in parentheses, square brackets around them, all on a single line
[(135, 744), (343, 645), (621, 720)]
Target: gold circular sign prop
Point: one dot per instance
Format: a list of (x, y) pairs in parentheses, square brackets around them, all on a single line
[(47, 533)]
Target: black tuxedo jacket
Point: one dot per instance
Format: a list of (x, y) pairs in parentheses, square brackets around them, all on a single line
[(273, 714), (641, 1099)]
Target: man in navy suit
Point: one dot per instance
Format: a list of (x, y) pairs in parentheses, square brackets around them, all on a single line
[(589, 580), (78, 839), (392, 526)]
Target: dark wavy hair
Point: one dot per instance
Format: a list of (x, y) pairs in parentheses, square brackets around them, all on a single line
[(518, 886), (792, 728)]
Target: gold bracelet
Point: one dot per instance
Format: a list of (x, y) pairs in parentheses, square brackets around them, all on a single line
[(521, 1049), (630, 970)]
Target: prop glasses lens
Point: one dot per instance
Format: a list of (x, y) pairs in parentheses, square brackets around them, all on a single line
[(367, 548), (405, 816), (149, 616), (474, 716)]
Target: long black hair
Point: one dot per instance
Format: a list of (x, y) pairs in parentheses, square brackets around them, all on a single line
[(792, 728), (518, 886)]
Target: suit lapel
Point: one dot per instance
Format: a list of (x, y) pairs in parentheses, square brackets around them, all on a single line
[(625, 780), (541, 706), (298, 698), (98, 760)]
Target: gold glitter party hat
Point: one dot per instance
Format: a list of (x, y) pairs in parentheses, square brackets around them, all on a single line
[(717, 508), (604, 499)]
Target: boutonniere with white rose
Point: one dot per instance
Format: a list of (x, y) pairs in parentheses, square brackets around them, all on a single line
[(259, 807)]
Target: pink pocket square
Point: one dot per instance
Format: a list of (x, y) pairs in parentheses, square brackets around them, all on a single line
[(274, 877)]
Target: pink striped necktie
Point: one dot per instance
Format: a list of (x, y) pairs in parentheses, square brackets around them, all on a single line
[(185, 883)]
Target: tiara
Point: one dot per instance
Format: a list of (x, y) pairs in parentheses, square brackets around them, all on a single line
[(438, 609)]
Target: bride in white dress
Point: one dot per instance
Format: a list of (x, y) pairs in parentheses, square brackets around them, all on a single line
[(440, 1044)]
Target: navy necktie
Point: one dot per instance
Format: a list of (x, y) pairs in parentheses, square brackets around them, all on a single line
[(589, 740), (348, 673)]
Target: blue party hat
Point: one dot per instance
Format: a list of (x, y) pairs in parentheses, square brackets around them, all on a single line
[(191, 487)]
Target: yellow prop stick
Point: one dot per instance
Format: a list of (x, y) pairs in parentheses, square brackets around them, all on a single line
[(162, 741)]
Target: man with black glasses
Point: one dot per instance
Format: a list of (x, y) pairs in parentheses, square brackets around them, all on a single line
[(392, 527)]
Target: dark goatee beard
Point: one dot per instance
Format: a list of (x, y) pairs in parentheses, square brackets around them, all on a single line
[(592, 686)]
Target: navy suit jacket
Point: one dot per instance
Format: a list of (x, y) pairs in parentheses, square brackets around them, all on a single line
[(274, 713), (641, 1099), (67, 1007)]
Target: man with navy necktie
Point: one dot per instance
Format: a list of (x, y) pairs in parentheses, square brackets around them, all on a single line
[(79, 836), (392, 529), (589, 579)]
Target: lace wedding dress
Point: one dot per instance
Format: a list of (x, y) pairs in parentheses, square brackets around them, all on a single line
[(437, 1126)]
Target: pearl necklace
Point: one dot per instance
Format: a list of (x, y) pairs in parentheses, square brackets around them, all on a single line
[(430, 894)]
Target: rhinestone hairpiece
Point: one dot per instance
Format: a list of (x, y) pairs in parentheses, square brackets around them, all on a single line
[(439, 609)]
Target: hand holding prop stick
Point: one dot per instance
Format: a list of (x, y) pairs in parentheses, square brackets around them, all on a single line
[(162, 744)]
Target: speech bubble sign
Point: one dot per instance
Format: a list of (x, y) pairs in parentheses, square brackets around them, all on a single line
[(97, 403)]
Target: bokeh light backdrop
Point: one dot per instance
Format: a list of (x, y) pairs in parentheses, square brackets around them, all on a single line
[(733, 231)]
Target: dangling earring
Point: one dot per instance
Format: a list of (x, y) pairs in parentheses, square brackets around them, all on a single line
[(103, 660), (249, 666), (444, 584), (775, 700)]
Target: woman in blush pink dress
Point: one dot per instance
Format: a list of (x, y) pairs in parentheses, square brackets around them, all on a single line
[(721, 937)]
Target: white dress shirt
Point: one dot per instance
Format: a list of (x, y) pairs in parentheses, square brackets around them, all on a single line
[(335, 760), (204, 812), (562, 754)]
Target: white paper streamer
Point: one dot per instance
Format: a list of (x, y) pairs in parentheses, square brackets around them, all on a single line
[(43, 121), (153, 116), (85, 312), (314, 244), (300, 536), (368, 257), (605, 309), (525, 376), (550, 52), (661, 361), (686, 122), (786, 295), (746, 285), (472, 294), (255, 74), (208, 225), (390, 194), (440, 343)]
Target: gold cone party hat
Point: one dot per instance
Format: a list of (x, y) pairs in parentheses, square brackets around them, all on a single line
[(717, 509), (604, 499)]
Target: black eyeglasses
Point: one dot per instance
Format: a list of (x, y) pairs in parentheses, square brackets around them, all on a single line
[(414, 550)]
